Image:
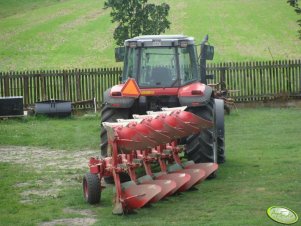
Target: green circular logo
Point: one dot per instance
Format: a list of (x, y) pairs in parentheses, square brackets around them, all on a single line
[(282, 214)]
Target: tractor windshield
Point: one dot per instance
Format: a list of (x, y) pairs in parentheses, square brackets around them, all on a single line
[(161, 66), (158, 67)]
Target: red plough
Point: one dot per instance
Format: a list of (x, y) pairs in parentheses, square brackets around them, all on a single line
[(141, 141)]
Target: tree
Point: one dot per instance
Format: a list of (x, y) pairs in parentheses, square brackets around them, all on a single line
[(137, 17), (295, 4)]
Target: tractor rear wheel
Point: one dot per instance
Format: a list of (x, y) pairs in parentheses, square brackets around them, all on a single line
[(111, 115), (202, 147), (220, 128), (91, 188)]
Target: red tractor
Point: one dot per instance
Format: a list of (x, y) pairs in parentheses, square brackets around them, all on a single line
[(165, 71)]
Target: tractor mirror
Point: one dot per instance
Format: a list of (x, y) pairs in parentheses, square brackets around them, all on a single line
[(119, 54), (209, 52)]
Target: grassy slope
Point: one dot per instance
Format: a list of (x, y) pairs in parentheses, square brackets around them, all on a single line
[(14, 7), (262, 169), (52, 34)]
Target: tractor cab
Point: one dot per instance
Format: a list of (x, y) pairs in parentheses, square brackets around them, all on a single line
[(161, 61)]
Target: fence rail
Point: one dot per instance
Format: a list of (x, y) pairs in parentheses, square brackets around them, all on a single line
[(249, 81)]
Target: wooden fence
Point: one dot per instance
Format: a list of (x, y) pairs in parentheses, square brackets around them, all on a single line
[(255, 81), (79, 85), (249, 81)]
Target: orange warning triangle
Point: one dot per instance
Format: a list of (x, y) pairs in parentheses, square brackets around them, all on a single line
[(130, 89)]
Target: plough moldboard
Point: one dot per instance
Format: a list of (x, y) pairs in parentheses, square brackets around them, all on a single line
[(140, 142)]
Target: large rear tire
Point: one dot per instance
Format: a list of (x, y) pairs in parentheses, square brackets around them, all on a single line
[(220, 127), (111, 115), (202, 147)]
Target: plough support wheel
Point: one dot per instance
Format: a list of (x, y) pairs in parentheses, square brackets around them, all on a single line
[(91, 188)]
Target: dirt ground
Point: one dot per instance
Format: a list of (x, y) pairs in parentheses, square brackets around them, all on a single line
[(48, 162)]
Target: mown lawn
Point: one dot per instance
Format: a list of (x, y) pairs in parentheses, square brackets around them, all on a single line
[(53, 34), (76, 133), (262, 169)]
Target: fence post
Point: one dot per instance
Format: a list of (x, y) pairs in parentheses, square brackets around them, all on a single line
[(223, 78), (43, 86), (6, 86), (37, 86), (299, 62), (66, 88), (26, 90), (78, 89), (288, 77)]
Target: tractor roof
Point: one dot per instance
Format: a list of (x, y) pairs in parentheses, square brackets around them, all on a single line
[(159, 40)]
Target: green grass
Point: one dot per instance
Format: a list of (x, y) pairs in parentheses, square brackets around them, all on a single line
[(14, 7), (52, 34), (12, 212), (262, 169), (68, 134)]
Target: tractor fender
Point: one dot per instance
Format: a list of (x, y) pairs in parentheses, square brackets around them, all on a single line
[(186, 98), (117, 102)]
